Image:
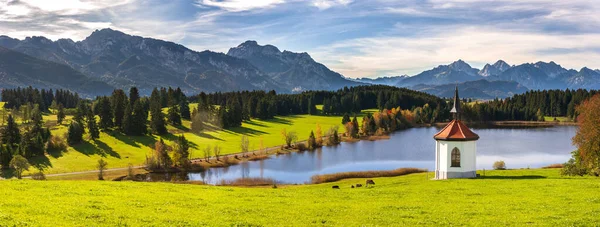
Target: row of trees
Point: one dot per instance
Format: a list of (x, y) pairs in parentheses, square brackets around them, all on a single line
[(235, 107), (530, 106), (44, 99)]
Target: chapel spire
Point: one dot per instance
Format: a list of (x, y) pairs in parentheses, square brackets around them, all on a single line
[(456, 110)]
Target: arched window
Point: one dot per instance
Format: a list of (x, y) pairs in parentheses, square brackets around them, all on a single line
[(455, 156)]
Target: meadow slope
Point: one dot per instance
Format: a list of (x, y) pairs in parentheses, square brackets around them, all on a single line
[(513, 197)]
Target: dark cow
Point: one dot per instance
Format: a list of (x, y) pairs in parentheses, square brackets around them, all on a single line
[(352, 186), (335, 187), (369, 182), (358, 185)]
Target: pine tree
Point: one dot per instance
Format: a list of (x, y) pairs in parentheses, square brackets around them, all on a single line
[(174, 116), (182, 154), (184, 109), (74, 133), (118, 105), (92, 126), (312, 141), (354, 132), (6, 155), (134, 95), (60, 114), (157, 118), (80, 112), (11, 134), (127, 124), (139, 119), (105, 113)]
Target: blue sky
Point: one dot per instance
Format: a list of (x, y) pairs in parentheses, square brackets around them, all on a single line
[(356, 38)]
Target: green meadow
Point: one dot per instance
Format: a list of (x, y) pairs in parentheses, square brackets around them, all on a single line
[(502, 198), (120, 150)]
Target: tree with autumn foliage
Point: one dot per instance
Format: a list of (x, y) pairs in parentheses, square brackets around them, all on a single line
[(586, 160)]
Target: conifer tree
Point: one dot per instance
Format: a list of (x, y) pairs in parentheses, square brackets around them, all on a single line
[(80, 112), (138, 119), (157, 118), (118, 105), (11, 134), (184, 109), (182, 154), (134, 95), (74, 133), (92, 126), (174, 116), (105, 113), (312, 141), (60, 114), (127, 124)]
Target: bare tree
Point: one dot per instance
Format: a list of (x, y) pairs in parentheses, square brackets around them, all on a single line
[(207, 151), (245, 144), (101, 167), (217, 151)]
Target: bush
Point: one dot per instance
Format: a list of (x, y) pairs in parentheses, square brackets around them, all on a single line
[(499, 165), (56, 143), (301, 146), (38, 176)]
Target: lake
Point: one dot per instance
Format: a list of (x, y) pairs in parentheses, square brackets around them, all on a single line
[(518, 147)]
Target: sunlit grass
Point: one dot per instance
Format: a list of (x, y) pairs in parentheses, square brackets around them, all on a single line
[(503, 198), (120, 150)]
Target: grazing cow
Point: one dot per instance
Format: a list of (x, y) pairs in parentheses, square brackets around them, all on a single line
[(352, 186), (358, 185), (335, 187), (369, 181)]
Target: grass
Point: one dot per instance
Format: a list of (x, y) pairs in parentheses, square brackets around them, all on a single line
[(560, 119), (510, 197), (325, 178), (119, 150)]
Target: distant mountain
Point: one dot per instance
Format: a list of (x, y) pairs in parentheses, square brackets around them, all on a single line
[(540, 75), (390, 81), (123, 61), (585, 78), (495, 69), (294, 70), (21, 70), (457, 72), (481, 89)]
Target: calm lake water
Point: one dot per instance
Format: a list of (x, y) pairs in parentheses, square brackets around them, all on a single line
[(519, 148)]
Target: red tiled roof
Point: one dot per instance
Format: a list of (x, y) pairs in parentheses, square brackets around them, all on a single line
[(456, 131)]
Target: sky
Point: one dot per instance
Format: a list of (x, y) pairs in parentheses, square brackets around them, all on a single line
[(355, 38)]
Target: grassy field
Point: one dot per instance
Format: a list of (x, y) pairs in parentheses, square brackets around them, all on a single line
[(512, 197), (119, 150), (561, 119)]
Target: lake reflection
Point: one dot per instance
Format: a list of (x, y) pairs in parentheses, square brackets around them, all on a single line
[(519, 148)]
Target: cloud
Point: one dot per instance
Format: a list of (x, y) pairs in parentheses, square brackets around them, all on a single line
[(353, 37), (378, 56), (326, 4), (240, 5)]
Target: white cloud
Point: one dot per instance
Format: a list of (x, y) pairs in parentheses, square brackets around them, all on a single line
[(240, 5), (479, 44), (326, 4)]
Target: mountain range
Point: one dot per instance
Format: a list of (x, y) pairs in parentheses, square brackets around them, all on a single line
[(21, 70), (109, 59)]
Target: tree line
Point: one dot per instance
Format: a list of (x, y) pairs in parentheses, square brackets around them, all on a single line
[(235, 107), (44, 99), (529, 106)]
